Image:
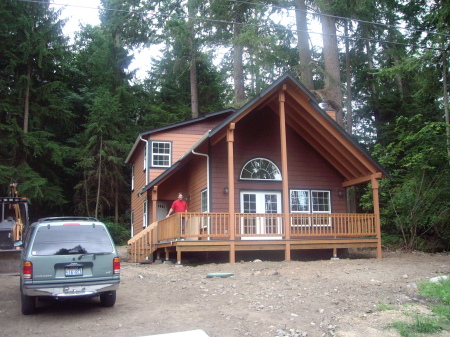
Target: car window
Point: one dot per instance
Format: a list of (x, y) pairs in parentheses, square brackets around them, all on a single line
[(65, 240)]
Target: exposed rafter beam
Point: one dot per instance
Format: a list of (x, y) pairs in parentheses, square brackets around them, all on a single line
[(361, 180)]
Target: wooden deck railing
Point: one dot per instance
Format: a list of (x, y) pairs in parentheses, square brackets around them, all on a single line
[(215, 226)]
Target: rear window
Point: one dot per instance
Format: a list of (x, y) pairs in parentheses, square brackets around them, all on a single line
[(66, 240)]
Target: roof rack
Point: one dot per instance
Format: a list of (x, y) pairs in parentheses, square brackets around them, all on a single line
[(64, 218)]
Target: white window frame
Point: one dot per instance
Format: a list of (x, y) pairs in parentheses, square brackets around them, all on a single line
[(307, 222), (132, 177), (204, 208), (145, 214), (132, 223), (168, 155), (262, 164), (204, 201)]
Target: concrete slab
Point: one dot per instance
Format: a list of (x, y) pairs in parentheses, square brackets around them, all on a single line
[(191, 333)]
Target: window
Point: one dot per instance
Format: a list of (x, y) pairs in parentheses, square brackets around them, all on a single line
[(64, 240), (260, 169), (132, 223), (132, 177), (204, 201), (204, 207), (310, 201), (320, 201), (144, 215), (161, 154)]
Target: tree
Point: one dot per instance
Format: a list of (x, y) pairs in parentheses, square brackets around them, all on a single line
[(35, 116)]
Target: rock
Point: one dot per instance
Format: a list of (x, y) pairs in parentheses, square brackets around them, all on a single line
[(257, 260), (438, 279)]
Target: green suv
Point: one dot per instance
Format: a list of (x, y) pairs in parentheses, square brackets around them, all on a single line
[(68, 257)]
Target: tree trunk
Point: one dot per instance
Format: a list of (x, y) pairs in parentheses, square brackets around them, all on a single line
[(193, 64), (303, 44), (447, 117), (333, 90), (351, 191), (99, 177), (238, 66), (398, 77), (373, 92), (349, 82), (26, 111), (116, 205)]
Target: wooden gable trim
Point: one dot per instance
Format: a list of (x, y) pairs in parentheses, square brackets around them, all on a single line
[(306, 134), (318, 121), (320, 148), (334, 148)]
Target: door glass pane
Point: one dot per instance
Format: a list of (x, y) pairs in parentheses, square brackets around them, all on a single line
[(271, 203), (271, 206), (249, 203), (249, 206)]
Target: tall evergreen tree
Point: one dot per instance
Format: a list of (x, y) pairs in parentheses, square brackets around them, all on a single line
[(35, 117)]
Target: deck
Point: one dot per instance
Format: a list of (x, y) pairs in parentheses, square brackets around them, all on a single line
[(207, 232)]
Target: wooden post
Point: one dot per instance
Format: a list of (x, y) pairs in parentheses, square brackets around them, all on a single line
[(232, 227), (178, 256), (154, 197), (284, 175), (167, 254), (376, 210)]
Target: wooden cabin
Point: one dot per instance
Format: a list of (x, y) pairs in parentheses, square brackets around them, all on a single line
[(270, 176)]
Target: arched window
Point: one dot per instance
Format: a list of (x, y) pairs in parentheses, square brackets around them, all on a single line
[(260, 169)]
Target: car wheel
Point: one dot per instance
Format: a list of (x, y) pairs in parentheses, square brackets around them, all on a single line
[(108, 298), (28, 304)]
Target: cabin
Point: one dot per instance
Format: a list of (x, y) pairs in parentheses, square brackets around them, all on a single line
[(270, 176)]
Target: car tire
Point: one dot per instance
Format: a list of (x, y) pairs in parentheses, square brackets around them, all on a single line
[(108, 298), (28, 304)]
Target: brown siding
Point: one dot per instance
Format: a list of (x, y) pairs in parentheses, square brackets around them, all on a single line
[(180, 144), (139, 183), (260, 137), (196, 182)]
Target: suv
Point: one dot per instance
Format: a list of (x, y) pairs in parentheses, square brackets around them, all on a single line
[(68, 257)]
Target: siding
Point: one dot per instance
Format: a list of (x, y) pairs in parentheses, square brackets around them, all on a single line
[(139, 182), (260, 137)]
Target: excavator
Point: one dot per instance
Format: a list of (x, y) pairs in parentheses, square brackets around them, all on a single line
[(13, 223)]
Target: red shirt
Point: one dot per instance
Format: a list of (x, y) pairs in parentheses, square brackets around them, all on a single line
[(179, 206)]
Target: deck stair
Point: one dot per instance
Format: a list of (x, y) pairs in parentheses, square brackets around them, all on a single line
[(141, 245)]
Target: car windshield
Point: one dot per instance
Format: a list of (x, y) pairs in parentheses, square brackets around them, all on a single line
[(64, 240)]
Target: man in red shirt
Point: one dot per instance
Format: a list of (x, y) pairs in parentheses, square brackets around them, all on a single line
[(178, 206)]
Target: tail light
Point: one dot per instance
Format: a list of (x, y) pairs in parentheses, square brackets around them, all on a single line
[(27, 270), (116, 266)]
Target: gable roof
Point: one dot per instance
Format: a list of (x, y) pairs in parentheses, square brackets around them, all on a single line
[(307, 119), (175, 125)]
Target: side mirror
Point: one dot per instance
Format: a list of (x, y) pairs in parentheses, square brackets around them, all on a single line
[(18, 243)]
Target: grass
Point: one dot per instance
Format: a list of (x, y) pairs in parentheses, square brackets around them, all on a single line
[(439, 296), (384, 307), (421, 324)]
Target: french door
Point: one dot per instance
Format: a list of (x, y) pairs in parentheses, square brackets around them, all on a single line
[(262, 203)]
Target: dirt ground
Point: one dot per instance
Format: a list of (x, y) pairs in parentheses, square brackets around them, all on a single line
[(263, 298)]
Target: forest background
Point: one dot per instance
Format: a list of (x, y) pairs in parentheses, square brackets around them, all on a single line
[(71, 108)]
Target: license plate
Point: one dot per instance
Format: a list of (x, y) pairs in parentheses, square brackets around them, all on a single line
[(74, 271)]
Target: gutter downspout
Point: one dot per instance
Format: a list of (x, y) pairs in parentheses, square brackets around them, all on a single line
[(146, 156)]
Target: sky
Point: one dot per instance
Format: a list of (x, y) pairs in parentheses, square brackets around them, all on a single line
[(85, 12)]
